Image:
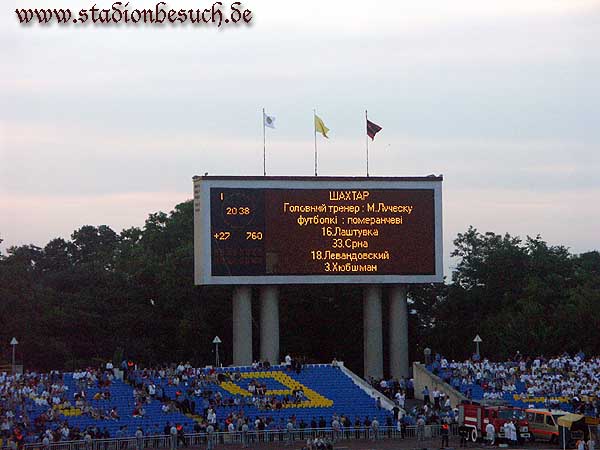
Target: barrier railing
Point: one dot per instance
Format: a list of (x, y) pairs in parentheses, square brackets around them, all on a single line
[(238, 437)]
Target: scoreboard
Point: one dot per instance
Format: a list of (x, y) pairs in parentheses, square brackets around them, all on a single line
[(313, 230)]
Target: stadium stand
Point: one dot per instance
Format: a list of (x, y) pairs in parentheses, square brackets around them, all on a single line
[(570, 383), (68, 406)]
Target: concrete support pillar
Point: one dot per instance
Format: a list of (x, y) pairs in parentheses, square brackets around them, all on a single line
[(269, 324), (398, 332), (242, 325), (372, 332)]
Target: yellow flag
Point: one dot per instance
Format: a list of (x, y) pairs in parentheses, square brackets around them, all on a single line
[(320, 127)]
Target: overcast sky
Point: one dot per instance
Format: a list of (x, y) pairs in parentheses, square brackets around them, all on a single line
[(104, 125)]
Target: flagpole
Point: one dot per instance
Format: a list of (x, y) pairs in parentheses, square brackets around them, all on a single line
[(264, 146), (315, 129), (367, 140)]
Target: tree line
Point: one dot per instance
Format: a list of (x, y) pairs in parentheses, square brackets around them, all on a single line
[(104, 295)]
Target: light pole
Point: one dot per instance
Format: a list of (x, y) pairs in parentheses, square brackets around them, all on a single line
[(477, 340), (14, 344), (427, 353), (216, 341)]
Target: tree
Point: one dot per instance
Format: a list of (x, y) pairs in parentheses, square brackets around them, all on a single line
[(78, 301)]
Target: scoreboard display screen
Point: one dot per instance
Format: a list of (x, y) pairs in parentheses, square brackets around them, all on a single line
[(275, 230)]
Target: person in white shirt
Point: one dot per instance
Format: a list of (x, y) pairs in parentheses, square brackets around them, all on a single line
[(400, 399), (375, 429), (490, 434), (447, 404), (436, 399), (231, 431), (591, 444), (210, 437), (211, 417), (513, 433), (173, 433)]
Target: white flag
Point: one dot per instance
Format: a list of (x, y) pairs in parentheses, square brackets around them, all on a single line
[(269, 121)]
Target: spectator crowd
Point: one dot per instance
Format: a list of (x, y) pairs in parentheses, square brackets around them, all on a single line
[(562, 381), (37, 407), (32, 406), (436, 408)]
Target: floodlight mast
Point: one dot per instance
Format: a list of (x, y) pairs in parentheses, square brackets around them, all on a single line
[(477, 341), (14, 344), (216, 341)]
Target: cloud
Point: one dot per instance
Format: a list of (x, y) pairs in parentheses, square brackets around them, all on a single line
[(500, 97), (37, 219), (561, 218), (109, 160)]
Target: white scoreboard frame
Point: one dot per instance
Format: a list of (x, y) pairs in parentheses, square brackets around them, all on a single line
[(203, 236)]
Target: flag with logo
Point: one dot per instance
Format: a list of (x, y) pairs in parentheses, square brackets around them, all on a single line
[(268, 120)]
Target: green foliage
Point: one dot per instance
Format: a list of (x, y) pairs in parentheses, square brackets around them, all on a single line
[(517, 295), (104, 295)]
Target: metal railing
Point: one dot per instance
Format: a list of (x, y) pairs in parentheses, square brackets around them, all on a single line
[(251, 437)]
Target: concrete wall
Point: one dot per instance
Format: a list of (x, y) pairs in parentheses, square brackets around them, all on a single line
[(422, 377), (8, 368)]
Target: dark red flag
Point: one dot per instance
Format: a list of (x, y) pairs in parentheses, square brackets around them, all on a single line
[(372, 129)]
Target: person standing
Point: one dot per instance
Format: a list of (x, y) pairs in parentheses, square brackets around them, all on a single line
[(445, 433), (399, 428), (400, 399), (105, 435), (426, 398), (290, 431), (463, 432), (88, 440), (173, 434), (421, 428), (335, 426), (139, 439), (436, 399), (375, 428), (121, 438), (447, 404), (245, 434), (45, 442), (210, 437), (231, 431), (357, 425), (403, 423), (490, 433), (513, 433)]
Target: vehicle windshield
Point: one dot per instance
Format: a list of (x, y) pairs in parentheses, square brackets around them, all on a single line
[(511, 414)]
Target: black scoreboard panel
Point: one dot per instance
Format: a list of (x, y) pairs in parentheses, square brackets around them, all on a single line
[(352, 232), (237, 219)]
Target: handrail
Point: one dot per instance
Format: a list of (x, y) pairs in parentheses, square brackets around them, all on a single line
[(238, 437), (419, 371), (370, 390)]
